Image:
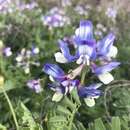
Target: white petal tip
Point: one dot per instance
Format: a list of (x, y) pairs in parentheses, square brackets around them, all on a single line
[(59, 57), (89, 102), (57, 97), (106, 78)]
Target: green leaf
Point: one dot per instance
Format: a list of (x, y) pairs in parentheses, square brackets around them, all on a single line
[(63, 110), (26, 118), (75, 96), (99, 125), (57, 119), (8, 86), (2, 127), (116, 125), (57, 97)]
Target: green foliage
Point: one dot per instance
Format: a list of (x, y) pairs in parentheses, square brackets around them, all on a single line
[(20, 30), (62, 117), (2, 127), (26, 119), (117, 123)]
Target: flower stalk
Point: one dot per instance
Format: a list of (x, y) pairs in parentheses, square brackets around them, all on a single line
[(11, 109)]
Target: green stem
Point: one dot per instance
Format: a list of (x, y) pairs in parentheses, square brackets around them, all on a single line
[(85, 70), (71, 121), (11, 108)]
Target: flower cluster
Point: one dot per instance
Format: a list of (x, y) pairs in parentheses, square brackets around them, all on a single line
[(35, 85), (95, 56), (26, 58), (8, 6), (83, 10), (55, 18)]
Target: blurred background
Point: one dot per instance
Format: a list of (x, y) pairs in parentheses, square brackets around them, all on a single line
[(39, 24)]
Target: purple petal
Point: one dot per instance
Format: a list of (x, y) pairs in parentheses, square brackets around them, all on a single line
[(57, 87), (53, 70), (105, 44), (66, 52), (89, 91), (87, 50), (84, 34), (106, 68)]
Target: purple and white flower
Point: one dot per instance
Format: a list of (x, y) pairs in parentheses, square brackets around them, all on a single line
[(35, 85), (111, 13), (89, 93), (97, 56), (25, 59), (7, 51), (55, 18), (85, 42), (103, 72), (61, 83)]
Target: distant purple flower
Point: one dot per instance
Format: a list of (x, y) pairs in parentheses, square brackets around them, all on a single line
[(34, 85), (26, 58), (7, 51), (111, 12), (35, 50), (55, 18)]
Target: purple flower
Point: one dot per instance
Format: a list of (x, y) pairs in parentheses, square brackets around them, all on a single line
[(34, 85), (89, 93), (103, 71), (86, 46), (54, 70), (35, 50), (7, 51), (55, 18), (104, 45), (84, 34), (62, 84)]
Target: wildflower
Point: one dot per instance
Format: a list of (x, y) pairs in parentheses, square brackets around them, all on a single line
[(62, 83), (35, 50), (105, 46), (25, 59), (55, 18), (97, 56), (34, 85), (81, 10), (111, 13), (102, 72), (89, 93), (64, 56), (66, 3), (85, 46), (7, 51)]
